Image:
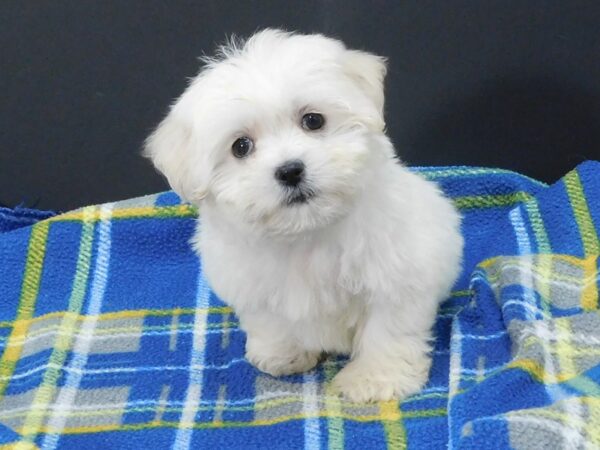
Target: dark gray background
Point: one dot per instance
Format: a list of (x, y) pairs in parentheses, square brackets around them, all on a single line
[(512, 84)]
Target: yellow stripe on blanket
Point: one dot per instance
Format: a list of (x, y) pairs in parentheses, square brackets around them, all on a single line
[(29, 294)]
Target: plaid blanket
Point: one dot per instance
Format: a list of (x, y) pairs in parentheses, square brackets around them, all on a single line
[(110, 337), (13, 218)]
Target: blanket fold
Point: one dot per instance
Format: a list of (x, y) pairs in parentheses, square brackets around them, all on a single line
[(110, 336), (18, 217)]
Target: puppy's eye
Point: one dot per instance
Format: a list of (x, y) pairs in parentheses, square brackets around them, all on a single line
[(313, 121), (242, 147)]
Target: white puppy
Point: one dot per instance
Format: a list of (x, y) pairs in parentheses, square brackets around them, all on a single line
[(310, 228)]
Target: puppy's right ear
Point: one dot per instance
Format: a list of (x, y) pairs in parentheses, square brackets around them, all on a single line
[(173, 150), (368, 72)]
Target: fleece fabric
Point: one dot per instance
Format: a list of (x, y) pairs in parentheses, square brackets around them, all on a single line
[(110, 337)]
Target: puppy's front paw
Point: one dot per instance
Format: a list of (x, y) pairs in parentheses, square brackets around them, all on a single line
[(363, 382), (295, 361)]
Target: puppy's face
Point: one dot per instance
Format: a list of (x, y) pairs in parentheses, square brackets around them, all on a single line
[(277, 134)]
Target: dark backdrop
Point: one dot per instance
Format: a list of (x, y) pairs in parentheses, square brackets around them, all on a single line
[(513, 84)]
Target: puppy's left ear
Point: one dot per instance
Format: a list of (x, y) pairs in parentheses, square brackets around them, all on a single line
[(175, 152), (368, 72)]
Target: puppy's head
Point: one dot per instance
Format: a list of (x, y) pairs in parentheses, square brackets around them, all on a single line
[(277, 132)]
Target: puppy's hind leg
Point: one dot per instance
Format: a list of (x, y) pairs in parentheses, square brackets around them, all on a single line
[(272, 349)]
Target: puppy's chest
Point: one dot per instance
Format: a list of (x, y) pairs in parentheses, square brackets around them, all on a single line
[(306, 275), (295, 282)]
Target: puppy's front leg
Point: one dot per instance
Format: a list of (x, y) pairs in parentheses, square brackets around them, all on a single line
[(390, 355), (272, 348)]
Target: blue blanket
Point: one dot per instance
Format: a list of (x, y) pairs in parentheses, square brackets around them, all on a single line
[(13, 218), (110, 337)]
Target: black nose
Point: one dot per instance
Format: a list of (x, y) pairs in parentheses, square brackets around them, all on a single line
[(290, 173)]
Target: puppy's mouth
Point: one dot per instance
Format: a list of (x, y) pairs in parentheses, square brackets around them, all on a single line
[(299, 196)]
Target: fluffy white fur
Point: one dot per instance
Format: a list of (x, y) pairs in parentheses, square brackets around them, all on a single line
[(361, 267)]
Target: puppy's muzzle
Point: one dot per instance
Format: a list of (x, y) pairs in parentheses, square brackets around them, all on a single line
[(292, 176)]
